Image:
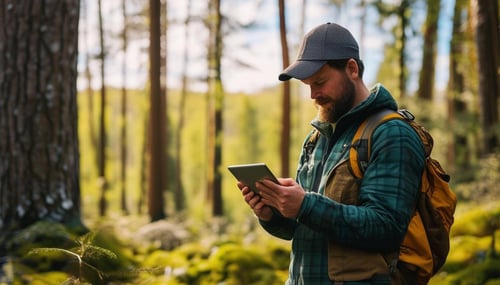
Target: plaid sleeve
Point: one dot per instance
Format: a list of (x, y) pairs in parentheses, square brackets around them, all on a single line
[(279, 226)]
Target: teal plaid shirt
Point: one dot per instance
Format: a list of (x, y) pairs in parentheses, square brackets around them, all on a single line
[(387, 193)]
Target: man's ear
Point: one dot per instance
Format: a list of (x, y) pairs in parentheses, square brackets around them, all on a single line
[(352, 68)]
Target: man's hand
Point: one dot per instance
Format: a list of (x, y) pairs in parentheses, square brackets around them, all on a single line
[(286, 197), (261, 210)]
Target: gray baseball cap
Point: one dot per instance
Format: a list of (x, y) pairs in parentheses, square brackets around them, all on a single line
[(326, 42)]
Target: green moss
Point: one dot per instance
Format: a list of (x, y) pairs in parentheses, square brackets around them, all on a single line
[(478, 222), (478, 273), (48, 278)]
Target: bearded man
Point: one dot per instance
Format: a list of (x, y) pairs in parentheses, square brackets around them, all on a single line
[(341, 228)]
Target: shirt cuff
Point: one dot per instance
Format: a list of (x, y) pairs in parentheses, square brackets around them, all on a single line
[(307, 205)]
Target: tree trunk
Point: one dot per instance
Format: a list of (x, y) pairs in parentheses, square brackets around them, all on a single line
[(39, 148), (164, 93), (156, 144), (459, 156), (218, 91), (427, 72), (143, 169), (403, 71), (123, 125), (215, 105), (362, 30), (102, 182), (285, 108), (88, 77), (179, 192), (487, 40), (209, 102)]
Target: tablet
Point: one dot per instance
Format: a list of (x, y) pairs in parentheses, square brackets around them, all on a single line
[(249, 174)]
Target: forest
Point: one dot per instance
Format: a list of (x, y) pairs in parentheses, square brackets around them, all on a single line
[(118, 120)]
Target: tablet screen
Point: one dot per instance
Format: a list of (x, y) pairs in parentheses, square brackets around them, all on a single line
[(249, 174)]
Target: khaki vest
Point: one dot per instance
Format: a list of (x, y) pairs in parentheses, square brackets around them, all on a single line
[(346, 263)]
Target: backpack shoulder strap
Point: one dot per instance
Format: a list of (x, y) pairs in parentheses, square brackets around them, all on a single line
[(359, 154)]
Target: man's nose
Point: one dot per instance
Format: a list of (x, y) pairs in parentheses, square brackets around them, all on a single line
[(315, 94)]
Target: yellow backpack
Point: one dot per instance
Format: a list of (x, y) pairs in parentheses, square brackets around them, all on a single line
[(426, 245)]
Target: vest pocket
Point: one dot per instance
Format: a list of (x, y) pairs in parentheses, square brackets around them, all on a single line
[(349, 264), (341, 185)]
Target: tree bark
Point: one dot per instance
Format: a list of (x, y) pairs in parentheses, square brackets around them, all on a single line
[(39, 151)]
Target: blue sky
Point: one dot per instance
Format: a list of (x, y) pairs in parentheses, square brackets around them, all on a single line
[(258, 48)]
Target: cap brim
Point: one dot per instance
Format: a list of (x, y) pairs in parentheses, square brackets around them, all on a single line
[(301, 69)]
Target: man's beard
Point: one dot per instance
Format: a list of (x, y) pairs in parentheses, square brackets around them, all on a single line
[(332, 110)]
